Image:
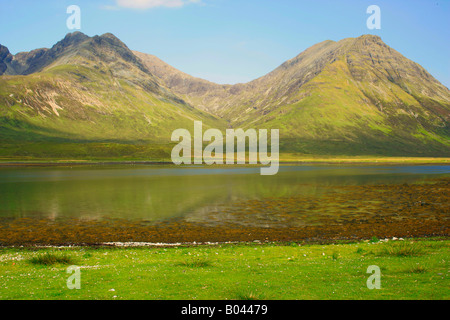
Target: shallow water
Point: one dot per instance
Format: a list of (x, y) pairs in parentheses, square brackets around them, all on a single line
[(155, 193)]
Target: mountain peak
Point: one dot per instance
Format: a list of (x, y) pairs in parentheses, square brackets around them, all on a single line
[(369, 37), (29, 62), (71, 39), (111, 39), (368, 40), (109, 35), (76, 35), (5, 57)]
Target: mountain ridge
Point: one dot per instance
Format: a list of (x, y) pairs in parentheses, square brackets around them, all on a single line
[(353, 96), (173, 83), (88, 91)]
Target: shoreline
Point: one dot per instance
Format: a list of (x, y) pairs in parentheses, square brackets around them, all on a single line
[(155, 245), (43, 233), (309, 161)]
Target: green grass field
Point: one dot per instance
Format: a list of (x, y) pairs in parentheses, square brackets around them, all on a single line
[(410, 269), (91, 153)]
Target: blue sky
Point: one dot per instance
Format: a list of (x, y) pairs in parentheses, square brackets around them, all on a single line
[(230, 41)]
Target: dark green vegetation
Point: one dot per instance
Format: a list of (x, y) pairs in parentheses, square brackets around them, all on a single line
[(403, 249), (242, 272), (93, 98), (49, 259)]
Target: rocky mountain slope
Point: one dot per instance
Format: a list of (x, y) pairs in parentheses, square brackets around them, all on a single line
[(86, 90), (356, 96)]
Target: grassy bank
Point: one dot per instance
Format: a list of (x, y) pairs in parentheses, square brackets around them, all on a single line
[(410, 269), (284, 159)]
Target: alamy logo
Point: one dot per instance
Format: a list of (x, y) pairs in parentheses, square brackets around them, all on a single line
[(74, 281), (214, 152), (374, 21), (74, 20), (374, 281)]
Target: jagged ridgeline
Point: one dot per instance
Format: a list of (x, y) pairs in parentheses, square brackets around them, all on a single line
[(93, 98)]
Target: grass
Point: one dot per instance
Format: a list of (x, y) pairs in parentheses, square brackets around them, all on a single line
[(249, 295), (359, 250), (418, 270), (335, 255), (49, 259), (196, 262), (403, 249), (96, 153)]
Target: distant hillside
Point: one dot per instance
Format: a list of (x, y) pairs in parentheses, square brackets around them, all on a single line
[(92, 97), (355, 96), (88, 90)]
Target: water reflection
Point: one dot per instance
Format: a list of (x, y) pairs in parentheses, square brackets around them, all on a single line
[(155, 193)]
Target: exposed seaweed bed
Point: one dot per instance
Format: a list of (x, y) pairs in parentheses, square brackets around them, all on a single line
[(342, 213)]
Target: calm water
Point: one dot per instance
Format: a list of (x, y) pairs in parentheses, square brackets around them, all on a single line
[(160, 192)]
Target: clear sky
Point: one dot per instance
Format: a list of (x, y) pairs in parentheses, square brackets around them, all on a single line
[(230, 41)]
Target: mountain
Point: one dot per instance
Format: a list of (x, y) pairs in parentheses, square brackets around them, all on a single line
[(354, 96), (87, 97), (92, 97), (29, 62)]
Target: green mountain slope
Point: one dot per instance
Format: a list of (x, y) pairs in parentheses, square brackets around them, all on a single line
[(94, 96), (355, 96)]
